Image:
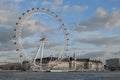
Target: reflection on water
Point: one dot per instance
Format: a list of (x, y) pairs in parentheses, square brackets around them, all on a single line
[(59, 76)]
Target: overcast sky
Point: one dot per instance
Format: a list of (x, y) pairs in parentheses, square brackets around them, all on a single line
[(93, 26)]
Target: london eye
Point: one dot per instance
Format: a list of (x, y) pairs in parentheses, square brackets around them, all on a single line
[(51, 41)]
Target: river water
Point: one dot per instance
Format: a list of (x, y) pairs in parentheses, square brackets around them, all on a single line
[(59, 75)]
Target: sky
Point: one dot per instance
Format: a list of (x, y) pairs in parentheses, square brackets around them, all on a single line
[(93, 27)]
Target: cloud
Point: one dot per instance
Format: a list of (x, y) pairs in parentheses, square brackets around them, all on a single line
[(66, 7), (16, 1), (32, 25), (44, 3), (102, 55), (6, 38), (54, 5), (75, 8), (8, 17), (58, 2), (96, 31), (34, 3), (98, 46), (9, 56), (6, 34), (8, 46), (58, 5), (29, 44), (49, 44), (117, 54), (93, 54), (100, 21), (114, 21), (9, 6), (114, 40), (101, 13)]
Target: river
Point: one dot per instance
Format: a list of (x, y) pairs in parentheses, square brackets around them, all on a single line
[(59, 75)]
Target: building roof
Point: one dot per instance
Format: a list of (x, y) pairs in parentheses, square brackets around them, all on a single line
[(47, 59)]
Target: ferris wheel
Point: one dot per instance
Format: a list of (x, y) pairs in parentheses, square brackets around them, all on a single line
[(42, 39)]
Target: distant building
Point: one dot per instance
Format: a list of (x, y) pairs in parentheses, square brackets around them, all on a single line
[(79, 64), (89, 65), (3, 63), (10, 66), (113, 64), (49, 63)]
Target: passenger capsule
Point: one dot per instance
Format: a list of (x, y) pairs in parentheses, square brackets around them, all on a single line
[(65, 29), (14, 29), (60, 20), (32, 8), (23, 14), (66, 33), (14, 36), (28, 10), (16, 23), (52, 12), (19, 18), (15, 43), (17, 49), (20, 55)]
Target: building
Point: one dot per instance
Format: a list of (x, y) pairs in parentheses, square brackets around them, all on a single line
[(79, 64), (49, 63), (113, 64), (10, 66)]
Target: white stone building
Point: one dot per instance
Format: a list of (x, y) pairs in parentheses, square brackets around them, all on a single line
[(79, 65)]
